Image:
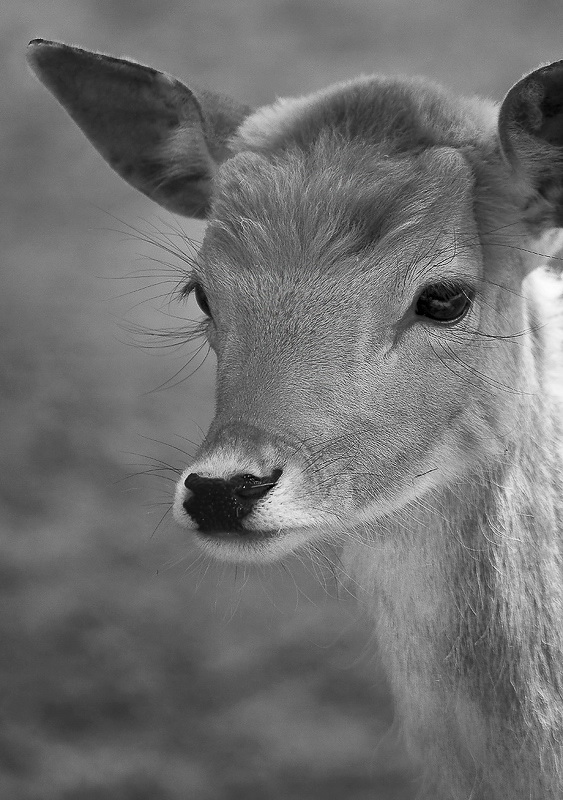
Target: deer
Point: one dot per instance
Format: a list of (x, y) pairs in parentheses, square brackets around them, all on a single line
[(378, 279)]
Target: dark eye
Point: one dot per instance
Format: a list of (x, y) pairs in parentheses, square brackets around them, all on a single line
[(444, 302), (200, 296)]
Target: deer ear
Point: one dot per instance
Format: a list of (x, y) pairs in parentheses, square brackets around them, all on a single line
[(160, 136), (531, 135)]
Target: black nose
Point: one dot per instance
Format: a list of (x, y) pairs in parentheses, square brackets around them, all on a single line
[(216, 504)]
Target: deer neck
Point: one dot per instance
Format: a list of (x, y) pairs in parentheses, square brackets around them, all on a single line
[(466, 592)]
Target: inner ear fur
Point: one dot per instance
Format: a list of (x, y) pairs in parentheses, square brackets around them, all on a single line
[(161, 137), (531, 135)]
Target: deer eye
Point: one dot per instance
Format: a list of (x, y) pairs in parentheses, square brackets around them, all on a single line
[(200, 296), (444, 302), (201, 299)]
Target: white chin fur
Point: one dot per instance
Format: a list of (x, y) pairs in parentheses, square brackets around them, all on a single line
[(274, 547)]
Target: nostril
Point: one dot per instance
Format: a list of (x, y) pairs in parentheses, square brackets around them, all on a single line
[(252, 491), (193, 481), (251, 487)]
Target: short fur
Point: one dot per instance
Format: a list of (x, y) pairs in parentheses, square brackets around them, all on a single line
[(432, 453)]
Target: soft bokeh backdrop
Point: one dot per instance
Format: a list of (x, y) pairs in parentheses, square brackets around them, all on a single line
[(129, 669)]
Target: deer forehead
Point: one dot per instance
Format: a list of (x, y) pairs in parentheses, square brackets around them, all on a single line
[(338, 218)]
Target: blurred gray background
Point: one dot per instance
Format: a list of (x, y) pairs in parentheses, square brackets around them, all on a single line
[(129, 668)]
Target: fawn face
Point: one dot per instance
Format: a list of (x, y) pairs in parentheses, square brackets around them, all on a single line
[(362, 278), (343, 321)]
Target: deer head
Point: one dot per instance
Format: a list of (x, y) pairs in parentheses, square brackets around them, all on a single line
[(364, 247)]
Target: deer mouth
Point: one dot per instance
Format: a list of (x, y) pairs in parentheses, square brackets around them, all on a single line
[(260, 545), (246, 518), (244, 536)]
